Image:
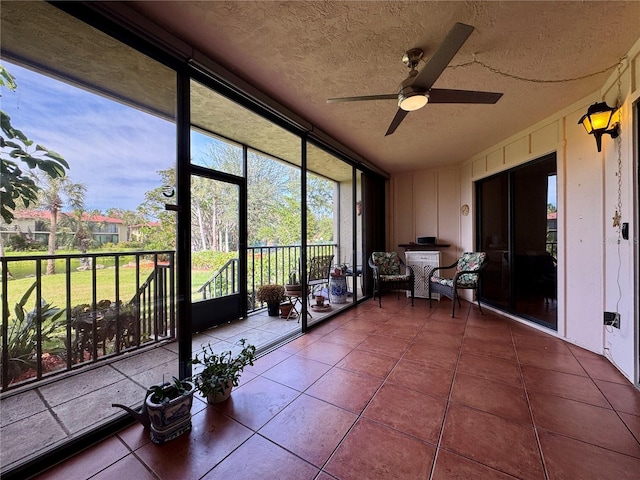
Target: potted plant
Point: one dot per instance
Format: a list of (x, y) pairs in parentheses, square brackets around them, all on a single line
[(168, 407), (221, 371), (272, 295)]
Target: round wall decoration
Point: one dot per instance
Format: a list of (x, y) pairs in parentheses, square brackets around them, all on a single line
[(464, 209)]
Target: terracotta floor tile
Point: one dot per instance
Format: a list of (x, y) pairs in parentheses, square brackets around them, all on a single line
[(499, 334), (411, 412), (299, 343), (566, 458), (443, 314), (136, 435), (551, 361), (257, 402), (346, 337), (441, 339), (580, 352), (391, 346), (127, 467), (379, 316), (260, 458), (374, 452), (422, 378), (490, 322), (193, 454), (494, 441), (588, 423), (310, 428), (434, 355), (492, 397), (521, 330), (406, 332), (450, 466), (503, 351), (345, 389), (89, 462), (361, 324), (565, 385), (297, 372), (624, 398), (490, 368), (632, 422), (265, 363), (367, 363), (599, 368), (546, 344), (325, 352), (444, 327)]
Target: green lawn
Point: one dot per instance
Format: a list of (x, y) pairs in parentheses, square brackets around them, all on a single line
[(54, 286)]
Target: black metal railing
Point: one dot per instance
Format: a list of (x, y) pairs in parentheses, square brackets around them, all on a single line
[(223, 282), (55, 323), (271, 264)]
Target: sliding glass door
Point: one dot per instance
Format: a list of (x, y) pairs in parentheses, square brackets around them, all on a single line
[(517, 228)]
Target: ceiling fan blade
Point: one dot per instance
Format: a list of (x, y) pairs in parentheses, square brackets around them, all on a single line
[(390, 96), (439, 60), (400, 114), (444, 95)]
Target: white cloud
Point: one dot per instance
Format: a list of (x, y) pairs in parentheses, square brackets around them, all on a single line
[(113, 149)]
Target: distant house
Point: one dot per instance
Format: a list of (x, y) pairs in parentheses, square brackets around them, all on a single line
[(34, 224)]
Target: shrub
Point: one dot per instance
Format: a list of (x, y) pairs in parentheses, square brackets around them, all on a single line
[(23, 333)]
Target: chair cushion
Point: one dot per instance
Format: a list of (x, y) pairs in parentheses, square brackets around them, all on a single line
[(463, 281), (447, 282), (387, 262), (395, 278), (471, 261)]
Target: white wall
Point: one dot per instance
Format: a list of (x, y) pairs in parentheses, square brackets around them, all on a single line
[(595, 270)]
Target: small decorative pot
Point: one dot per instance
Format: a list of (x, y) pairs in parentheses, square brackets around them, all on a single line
[(221, 397), (171, 419), (320, 300)]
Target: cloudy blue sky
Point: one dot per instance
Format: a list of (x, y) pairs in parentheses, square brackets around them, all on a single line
[(113, 149)]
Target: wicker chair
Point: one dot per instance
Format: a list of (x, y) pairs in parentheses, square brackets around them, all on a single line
[(387, 274), (467, 277)]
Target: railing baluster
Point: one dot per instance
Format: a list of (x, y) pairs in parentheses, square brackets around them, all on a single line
[(172, 306), (5, 324), (38, 321), (116, 259), (94, 313), (67, 278)]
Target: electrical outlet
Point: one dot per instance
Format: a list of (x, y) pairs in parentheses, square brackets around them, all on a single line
[(612, 319)]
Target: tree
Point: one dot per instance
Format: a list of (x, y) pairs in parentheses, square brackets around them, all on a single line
[(16, 186), (50, 197), (16, 150), (162, 237), (129, 219)]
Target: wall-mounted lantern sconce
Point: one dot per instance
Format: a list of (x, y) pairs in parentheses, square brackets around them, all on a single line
[(597, 120)]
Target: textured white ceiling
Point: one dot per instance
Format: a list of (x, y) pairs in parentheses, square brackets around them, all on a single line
[(301, 53)]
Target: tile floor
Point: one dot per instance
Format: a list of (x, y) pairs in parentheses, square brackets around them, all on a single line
[(400, 393)]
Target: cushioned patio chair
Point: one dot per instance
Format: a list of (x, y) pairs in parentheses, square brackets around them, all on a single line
[(467, 277), (387, 274)]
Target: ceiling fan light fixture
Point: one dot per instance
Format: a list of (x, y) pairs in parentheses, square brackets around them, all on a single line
[(412, 101)]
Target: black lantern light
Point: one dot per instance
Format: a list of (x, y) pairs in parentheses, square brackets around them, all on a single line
[(597, 120)]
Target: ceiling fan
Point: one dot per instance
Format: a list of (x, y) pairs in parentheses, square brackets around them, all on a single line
[(415, 91)]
